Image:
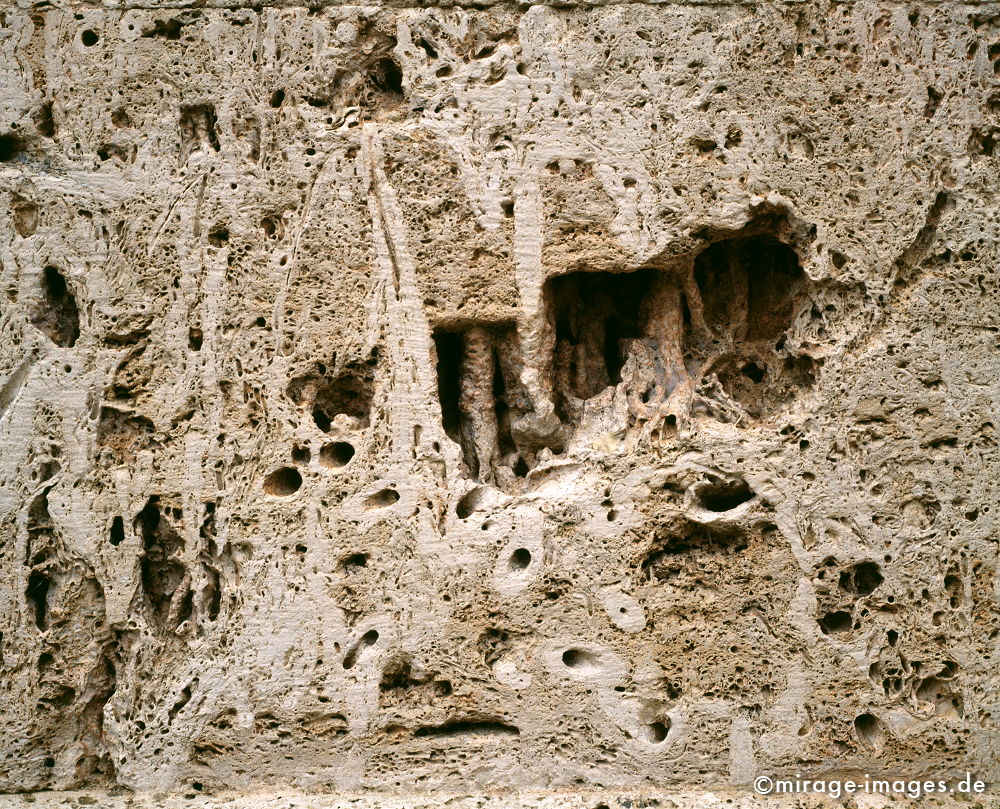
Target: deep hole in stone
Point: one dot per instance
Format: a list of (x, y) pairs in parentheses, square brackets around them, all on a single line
[(37, 592), (983, 141), (58, 316), (429, 49), (461, 728), (89, 37), (147, 522), (164, 29), (520, 559), (834, 622), (869, 730), (337, 454), (578, 658), (953, 587), (448, 347), (10, 147), (186, 608), (467, 504), (44, 121), (382, 499), (213, 593), (283, 482), (277, 98), (353, 562), (753, 372), (349, 393), (195, 338), (368, 639), (160, 571), (948, 670), (480, 394), (321, 420), (724, 495), (198, 127), (117, 531), (656, 732), (862, 579), (500, 408), (397, 674), (387, 76), (749, 286), (591, 313), (270, 226), (752, 287), (301, 455)]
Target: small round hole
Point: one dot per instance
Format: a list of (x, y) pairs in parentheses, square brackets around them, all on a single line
[(336, 454), (834, 622), (283, 482), (89, 37), (351, 563), (520, 559), (382, 498), (657, 731)]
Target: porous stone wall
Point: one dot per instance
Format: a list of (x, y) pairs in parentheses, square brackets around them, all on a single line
[(399, 399)]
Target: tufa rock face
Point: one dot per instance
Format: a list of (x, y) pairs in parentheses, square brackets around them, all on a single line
[(462, 399)]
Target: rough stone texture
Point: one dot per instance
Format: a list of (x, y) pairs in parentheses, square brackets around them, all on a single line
[(610, 799), (412, 399)]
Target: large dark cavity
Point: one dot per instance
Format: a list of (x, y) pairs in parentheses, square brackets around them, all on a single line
[(593, 312), (748, 286), (57, 316)]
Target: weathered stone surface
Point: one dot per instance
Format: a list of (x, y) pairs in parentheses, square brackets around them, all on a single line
[(410, 399)]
